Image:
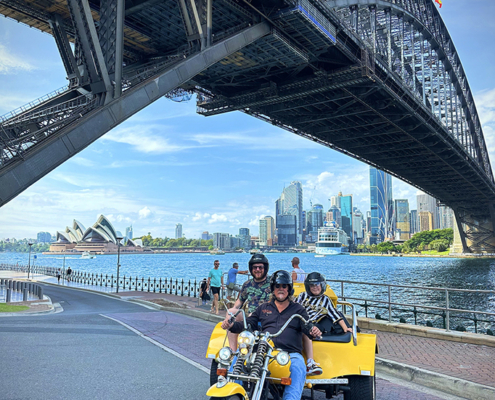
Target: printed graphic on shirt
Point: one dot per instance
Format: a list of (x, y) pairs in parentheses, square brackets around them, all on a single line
[(255, 293)]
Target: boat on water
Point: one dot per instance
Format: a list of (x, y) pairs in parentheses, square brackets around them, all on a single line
[(87, 255), (217, 253), (331, 241)]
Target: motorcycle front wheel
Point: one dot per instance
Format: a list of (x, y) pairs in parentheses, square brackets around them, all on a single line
[(234, 397)]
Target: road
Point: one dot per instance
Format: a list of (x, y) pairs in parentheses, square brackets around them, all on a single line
[(85, 353)]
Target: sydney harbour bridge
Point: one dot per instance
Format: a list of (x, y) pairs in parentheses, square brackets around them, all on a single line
[(378, 80)]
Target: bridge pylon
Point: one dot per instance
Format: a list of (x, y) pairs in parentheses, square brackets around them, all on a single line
[(474, 232)]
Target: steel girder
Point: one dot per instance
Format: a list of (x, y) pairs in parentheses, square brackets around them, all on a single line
[(68, 141)]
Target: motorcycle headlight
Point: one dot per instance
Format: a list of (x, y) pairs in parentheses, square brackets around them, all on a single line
[(246, 338), (282, 358), (225, 354)]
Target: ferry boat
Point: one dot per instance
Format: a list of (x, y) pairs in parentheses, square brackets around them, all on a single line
[(87, 255), (217, 253), (331, 241)]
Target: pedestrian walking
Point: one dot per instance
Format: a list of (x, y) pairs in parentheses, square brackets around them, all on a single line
[(215, 282), (68, 273), (59, 275), (203, 292)]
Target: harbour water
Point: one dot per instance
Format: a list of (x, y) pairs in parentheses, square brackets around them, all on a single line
[(429, 272)]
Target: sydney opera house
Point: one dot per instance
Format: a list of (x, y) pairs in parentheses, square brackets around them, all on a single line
[(100, 238)]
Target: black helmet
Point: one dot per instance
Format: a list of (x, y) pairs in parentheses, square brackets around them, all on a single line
[(282, 277), (259, 259), (312, 279)]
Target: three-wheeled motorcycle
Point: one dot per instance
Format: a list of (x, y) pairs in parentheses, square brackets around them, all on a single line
[(257, 369)]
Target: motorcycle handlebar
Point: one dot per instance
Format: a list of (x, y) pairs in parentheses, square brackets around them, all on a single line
[(287, 324)]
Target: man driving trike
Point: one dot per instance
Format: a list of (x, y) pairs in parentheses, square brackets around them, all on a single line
[(272, 316)]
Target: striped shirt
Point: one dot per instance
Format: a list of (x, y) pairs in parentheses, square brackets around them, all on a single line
[(312, 305)]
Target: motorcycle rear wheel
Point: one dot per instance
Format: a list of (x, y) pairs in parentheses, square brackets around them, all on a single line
[(362, 388)]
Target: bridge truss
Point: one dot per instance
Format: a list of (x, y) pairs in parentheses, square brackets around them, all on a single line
[(378, 80)]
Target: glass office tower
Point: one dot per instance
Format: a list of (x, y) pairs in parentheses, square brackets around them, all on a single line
[(382, 206)]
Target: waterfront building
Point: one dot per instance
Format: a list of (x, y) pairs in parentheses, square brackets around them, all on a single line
[(221, 241), (128, 232), (381, 206), (235, 242), (414, 222), (206, 236), (245, 237), (368, 222), (427, 203), (43, 237), (267, 231), (346, 215), (287, 230), (291, 203), (100, 238), (178, 231), (446, 216), (402, 222), (425, 221)]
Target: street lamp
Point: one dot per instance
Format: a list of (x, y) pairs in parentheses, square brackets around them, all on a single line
[(118, 260), (29, 262)]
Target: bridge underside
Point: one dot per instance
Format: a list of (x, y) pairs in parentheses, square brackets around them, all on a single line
[(356, 76)]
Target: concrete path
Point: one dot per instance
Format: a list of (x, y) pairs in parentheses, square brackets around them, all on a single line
[(458, 369)]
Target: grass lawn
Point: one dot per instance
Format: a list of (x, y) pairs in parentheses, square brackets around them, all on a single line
[(435, 253), (4, 307)]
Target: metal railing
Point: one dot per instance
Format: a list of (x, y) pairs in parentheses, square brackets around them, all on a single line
[(397, 306), (33, 103), (397, 310)]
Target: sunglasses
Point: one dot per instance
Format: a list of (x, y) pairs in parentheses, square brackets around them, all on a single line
[(255, 267), (281, 285)]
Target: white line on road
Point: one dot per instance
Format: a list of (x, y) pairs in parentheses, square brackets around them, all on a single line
[(163, 347)]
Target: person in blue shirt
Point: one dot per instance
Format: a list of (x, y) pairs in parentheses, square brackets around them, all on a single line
[(215, 282), (231, 279)]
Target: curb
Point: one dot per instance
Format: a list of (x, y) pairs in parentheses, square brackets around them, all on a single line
[(434, 380), (50, 310), (427, 332)]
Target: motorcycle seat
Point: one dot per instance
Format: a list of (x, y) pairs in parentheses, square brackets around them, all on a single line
[(337, 338)]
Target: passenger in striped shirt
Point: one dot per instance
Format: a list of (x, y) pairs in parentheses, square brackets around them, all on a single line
[(314, 300)]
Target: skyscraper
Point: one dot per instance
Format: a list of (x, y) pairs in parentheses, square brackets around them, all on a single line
[(427, 203), (287, 230), (267, 231), (178, 231), (314, 220), (402, 222), (357, 226), (381, 206), (346, 215), (446, 217), (291, 203), (414, 222)]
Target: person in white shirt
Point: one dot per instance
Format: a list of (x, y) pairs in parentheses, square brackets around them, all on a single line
[(298, 275)]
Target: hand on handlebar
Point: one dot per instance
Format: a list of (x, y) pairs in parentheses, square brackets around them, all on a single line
[(315, 332), (227, 324)]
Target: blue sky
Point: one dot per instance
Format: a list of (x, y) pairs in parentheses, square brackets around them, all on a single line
[(168, 165)]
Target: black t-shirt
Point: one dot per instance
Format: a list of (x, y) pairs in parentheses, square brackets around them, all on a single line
[(272, 320)]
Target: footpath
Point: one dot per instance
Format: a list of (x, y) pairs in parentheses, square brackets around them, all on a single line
[(458, 363)]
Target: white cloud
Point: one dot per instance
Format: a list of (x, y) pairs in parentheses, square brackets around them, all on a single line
[(198, 216), (217, 218), (144, 139), (83, 162), (485, 104), (10, 63), (145, 213)]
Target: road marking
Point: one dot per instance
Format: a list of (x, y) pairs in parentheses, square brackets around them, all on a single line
[(163, 347)]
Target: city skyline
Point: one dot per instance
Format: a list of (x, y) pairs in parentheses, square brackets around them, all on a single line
[(167, 165)]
